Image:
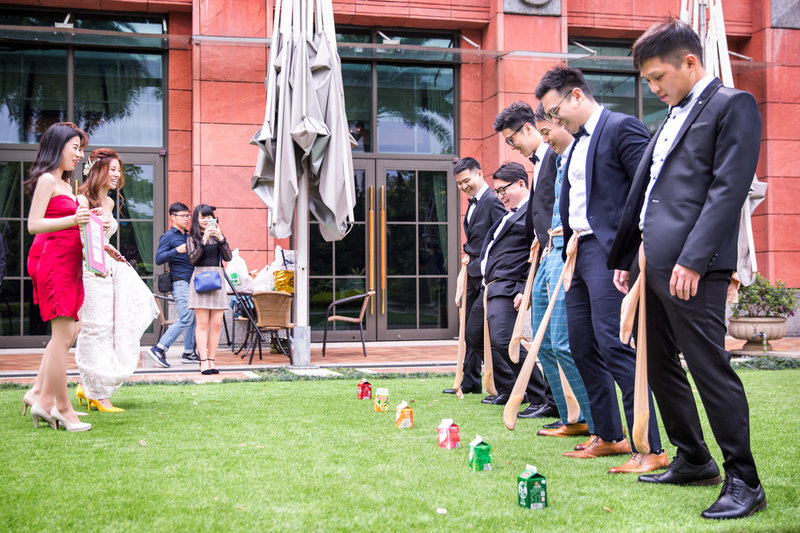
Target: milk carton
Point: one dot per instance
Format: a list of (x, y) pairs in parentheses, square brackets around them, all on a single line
[(364, 390), (480, 454), (382, 399), (448, 434), (532, 489), (403, 416)]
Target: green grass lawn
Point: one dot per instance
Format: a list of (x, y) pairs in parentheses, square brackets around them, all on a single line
[(309, 456)]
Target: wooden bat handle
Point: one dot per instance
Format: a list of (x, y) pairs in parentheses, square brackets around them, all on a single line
[(519, 324), (462, 326), (518, 392), (641, 392)]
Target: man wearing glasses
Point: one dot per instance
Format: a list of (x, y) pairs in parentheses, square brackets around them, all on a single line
[(598, 175), (504, 265), (172, 250)]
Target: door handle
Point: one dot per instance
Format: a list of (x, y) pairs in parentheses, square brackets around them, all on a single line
[(371, 253), (383, 249)]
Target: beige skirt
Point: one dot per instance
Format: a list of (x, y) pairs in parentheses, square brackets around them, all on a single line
[(208, 300)]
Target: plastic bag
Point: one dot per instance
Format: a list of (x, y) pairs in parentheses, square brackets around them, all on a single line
[(279, 278), (264, 281), (238, 273)]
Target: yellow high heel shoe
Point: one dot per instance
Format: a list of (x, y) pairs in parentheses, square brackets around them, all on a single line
[(81, 395), (103, 409)]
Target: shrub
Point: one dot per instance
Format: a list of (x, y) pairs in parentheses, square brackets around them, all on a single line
[(765, 299)]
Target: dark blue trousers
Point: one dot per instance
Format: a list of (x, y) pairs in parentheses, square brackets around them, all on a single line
[(593, 310)]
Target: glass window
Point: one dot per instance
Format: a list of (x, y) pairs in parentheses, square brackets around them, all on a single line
[(415, 109), (119, 98), (120, 23), (357, 80), (617, 92), (33, 92)]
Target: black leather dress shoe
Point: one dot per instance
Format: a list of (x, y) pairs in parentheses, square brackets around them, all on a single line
[(500, 399), (538, 411), (736, 500), (554, 425), (681, 472), (449, 391)]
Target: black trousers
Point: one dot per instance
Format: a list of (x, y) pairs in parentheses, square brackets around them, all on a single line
[(593, 313), (501, 316), (697, 328), (472, 359)]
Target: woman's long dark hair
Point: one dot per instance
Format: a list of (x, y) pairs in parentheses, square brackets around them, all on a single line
[(98, 175), (202, 210), (48, 158)]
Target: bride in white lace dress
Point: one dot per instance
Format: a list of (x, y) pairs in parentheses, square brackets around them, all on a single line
[(118, 307)]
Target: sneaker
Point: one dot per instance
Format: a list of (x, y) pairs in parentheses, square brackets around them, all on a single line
[(190, 359), (158, 355)]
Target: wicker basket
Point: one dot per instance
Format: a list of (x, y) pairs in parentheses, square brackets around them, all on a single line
[(273, 309)]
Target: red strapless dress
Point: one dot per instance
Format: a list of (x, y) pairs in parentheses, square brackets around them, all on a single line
[(55, 263)]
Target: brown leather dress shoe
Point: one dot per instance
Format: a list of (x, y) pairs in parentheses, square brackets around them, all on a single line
[(601, 448), (586, 444), (567, 430), (640, 463)]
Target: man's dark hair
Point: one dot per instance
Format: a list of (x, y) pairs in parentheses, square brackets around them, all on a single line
[(466, 163), (513, 117), (512, 173), (669, 41), (563, 79), (177, 207), (539, 115)]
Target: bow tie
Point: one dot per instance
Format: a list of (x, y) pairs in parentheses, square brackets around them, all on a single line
[(581, 132), (534, 159), (686, 100), (472, 201), (514, 209)]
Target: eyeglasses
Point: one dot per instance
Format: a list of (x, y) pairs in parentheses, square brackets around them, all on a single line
[(501, 191), (553, 113), (510, 138), (182, 215)]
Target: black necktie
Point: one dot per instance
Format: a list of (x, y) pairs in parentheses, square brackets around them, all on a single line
[(581, 132), (472, 201), (534, 159)]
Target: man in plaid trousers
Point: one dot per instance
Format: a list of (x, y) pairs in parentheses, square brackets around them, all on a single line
[(517, 123)]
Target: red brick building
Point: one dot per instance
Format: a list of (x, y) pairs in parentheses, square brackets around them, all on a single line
[(177, 88)]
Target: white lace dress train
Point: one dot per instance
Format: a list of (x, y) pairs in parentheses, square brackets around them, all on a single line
[(117, 310)]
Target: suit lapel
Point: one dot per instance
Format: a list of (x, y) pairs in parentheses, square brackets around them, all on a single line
[(642, 172), (598, 130), (705, 96), (510, 222)]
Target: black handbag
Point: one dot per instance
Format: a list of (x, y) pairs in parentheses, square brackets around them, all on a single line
[(164, 282)]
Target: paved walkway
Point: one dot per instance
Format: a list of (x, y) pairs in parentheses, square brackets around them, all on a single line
[(20, 366)]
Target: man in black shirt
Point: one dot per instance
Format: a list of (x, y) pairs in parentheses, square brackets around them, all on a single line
[(172, 250)]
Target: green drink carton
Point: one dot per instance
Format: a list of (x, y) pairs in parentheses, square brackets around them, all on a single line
[(480, 454), (532, 489)]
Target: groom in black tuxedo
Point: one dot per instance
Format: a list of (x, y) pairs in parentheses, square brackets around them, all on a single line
[(685, 203), (483, 211)]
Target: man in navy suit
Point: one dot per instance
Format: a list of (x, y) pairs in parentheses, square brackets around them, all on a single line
[(684, 204), (598, 175), (504, 265), (484, 210)]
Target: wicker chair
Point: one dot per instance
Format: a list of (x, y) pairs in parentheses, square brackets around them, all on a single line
[(273, 313), (353, 320)]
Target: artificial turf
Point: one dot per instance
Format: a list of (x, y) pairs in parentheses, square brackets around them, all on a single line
[(309, 456)]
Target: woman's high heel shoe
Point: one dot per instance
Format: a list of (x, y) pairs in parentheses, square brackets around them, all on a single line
[(102, 408), (213, 370), (81, 395), (27, 402), (69, 426), (37, 413), (207, 371)]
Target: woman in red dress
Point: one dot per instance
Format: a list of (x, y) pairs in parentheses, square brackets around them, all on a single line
[(57, 283)]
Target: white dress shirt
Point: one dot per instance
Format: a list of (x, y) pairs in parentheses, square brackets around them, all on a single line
[(540, 152), (578, 220), (471, 208), (666, 138), (520, 205)]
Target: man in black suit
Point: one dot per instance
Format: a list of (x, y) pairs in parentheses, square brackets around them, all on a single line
[(484, 210), (684, 204), (598, 175), (504, 265)]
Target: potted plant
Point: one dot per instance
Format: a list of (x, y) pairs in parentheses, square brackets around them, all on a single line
[(761, 313)]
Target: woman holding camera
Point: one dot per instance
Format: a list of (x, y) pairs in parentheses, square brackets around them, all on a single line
[(207, 248)]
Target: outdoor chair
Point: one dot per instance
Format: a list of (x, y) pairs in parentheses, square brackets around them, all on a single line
[(352, 320), (163, 313), (273, 313)]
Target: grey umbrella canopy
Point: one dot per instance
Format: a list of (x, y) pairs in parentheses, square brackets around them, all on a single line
[(305, 128)]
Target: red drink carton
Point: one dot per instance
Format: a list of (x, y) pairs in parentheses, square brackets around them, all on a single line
[(448, 434), (382, 399), (364, 390), (403, 415)]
